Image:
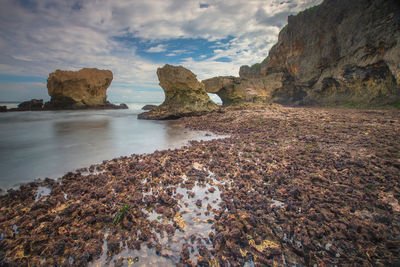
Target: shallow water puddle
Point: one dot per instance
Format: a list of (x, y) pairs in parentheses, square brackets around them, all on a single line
[(42, 191), (197, 216), (93, 170), (277, 203), (197, 201), (15, 229), (128, 257), (103, 258)]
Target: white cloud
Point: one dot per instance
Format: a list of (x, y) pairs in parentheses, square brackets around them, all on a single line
[(157, 49)]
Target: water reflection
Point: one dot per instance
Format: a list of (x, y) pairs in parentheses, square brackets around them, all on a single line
[(198, 203), (80, 142), (62, 128), (174, 132), (49, 144)]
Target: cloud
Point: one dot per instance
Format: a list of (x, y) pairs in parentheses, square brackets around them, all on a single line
[(117, 94), (40, 36), (157, 49)]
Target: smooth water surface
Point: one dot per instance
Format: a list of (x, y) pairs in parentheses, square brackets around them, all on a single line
[(51, 143)]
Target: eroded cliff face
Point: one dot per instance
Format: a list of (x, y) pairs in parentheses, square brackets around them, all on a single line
[(340, 51), (184, 95), (78, 89)]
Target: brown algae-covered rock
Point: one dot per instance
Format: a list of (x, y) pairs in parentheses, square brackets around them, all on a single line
[(319, 184)]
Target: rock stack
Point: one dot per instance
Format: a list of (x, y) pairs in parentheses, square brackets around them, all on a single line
[(81, 89), (184, 95)]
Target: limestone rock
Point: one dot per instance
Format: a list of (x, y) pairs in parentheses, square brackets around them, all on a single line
[(85, 88), (338, 52), (149, 107), (255, 71), (234, 90), (184, 95)]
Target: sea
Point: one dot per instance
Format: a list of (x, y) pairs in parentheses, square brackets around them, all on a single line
[(40, 144)]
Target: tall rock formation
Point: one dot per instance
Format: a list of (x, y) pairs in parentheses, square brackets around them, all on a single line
[(338, 52), (184, 95), (85, 88)]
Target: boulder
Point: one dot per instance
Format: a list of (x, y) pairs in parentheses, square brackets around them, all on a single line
[(184, 95), (339, 52), (121, 106), (81, 89), (33, 104)]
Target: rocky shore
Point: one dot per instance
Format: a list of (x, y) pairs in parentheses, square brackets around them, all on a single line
[(299, 186)]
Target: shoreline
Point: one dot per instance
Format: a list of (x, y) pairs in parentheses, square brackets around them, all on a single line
[(291, 186)]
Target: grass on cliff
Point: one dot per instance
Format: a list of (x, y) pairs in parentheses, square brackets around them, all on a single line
[(396, 104), (255, 65), (258, 65), (310, 9)]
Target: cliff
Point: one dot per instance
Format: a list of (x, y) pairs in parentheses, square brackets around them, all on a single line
[(338, 52)]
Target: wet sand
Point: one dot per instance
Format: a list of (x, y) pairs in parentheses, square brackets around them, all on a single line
[(299, 186)]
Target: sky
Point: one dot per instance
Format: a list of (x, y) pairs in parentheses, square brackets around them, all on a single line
[(132, 38)]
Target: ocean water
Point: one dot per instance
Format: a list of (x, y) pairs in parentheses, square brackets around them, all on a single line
[(50, 143)]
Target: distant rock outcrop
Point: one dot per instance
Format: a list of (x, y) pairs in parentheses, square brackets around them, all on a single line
[(338, 52), (149, 107), (33, 104), (81, 89), (184, 95)]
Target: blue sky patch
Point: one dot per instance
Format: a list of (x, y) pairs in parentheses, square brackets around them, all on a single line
[(29, 4), (204, 5), (5, 78), (174, 50), (223, 59)]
